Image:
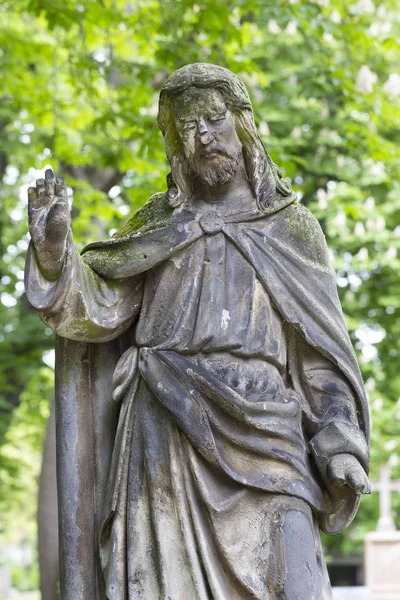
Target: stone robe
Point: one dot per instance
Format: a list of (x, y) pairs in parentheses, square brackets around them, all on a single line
[(234, 396)]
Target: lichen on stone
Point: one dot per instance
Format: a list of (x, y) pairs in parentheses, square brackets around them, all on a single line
[(153, 215), (303, 224)]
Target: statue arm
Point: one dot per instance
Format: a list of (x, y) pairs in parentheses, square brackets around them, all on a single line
[(81, 305), (331, 419), (333, 410), (70, 297)]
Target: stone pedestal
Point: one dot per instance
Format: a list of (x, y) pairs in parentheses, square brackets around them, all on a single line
[(382, 565), (5, 581)]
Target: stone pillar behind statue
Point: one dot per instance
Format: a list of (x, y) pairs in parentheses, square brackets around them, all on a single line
[(382, 564)]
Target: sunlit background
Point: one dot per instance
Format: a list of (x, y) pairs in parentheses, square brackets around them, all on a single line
[(79, 90)]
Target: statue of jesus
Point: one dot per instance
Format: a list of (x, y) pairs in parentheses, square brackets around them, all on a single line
[(211, 412)]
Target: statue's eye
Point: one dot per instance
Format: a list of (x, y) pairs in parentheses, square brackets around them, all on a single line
[(218, 118), (191, 126)]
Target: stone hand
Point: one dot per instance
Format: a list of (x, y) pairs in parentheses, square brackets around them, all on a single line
[(344, 469), (49, 223)]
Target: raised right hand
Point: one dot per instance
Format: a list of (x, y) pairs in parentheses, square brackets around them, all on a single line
[(49, 223)]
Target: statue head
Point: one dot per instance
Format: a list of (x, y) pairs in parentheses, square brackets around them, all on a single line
[(206, 118)]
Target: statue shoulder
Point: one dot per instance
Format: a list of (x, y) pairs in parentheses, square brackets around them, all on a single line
[(300, 226), (154, 214)]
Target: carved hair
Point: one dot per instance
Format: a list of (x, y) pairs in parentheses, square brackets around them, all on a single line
[(264, 176)]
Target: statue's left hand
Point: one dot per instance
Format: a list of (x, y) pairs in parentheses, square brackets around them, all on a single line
[(344, 469)]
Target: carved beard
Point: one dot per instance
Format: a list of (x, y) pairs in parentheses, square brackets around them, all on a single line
[(216, 170)]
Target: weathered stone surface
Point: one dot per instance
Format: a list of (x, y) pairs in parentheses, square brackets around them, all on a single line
[(211, 416)]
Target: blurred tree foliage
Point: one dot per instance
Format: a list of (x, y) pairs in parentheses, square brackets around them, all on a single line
[(79, 87)]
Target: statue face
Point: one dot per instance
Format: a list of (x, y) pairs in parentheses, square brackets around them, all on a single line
[(207, 131)]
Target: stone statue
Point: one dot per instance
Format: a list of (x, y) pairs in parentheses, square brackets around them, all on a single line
[(211, 417)]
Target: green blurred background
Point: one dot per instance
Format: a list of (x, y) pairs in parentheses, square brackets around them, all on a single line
[(79, 90)]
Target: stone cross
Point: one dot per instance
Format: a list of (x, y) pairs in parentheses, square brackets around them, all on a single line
[(385, 487)]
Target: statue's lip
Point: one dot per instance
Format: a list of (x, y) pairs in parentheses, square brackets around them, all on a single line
[(213, 154)]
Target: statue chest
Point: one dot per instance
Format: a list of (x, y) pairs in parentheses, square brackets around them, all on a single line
[(208, 298)]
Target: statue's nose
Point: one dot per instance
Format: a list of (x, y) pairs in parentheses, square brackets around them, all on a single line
[(205, 135)]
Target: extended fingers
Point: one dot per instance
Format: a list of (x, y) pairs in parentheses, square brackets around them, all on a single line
[(32, 201), (49, 183), (41, 199), (61, 188), (35, 204), (43, 193)]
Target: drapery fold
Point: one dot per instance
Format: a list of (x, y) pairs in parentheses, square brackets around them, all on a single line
[(190, 454), (188, 431)]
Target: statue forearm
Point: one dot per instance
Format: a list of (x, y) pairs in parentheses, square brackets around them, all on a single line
[(79, 304), (336, 440), (329, 397)]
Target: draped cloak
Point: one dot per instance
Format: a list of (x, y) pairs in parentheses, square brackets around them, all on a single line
[(273, 446)]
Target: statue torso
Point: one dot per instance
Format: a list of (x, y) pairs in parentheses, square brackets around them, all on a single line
[(207, 298)]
